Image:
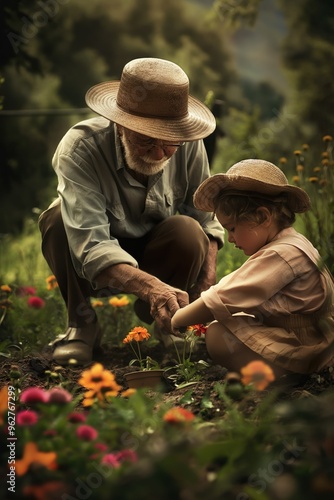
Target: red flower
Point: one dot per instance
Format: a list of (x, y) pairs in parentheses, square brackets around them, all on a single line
[(111, 459), (76, 417), (178, 415), (86, 433), (198, 330), (36, 302), (127, 455), (26, 417), (59, 396), (34, 395), (25, 290)]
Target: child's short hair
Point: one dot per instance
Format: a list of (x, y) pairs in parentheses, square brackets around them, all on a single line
[(244, 206)]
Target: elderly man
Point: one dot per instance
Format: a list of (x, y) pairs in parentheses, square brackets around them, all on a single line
[(124, 220)]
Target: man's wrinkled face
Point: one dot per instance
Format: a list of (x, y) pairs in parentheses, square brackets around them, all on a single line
[(143, 154)]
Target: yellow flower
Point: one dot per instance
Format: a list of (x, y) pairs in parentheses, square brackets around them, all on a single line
[(313, 180), (325, 154), (305, 147), (6, 288), (139, 333), (51, 282), (97, 303), (97, 378), (257, 374), (327, 138), (119, 302), (325, 161), (317, 169), (297, 152), (295, 179), (31, 455), (100, 396), (299, 168), (283, 160)]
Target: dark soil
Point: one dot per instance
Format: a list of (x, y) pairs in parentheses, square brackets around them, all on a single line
[(200, 396)]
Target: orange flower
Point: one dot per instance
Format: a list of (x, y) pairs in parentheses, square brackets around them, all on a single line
[(51, 282), (139, 333), (283, 160), (31, 455), (98, 379), (327, 138), (97, 303), (297, 152), (51, 489), (299, 168), (119, 301), (128, 392), (257, 374), (313, 180), (295, 179), (178, 415), (3, 403), (6, 288)]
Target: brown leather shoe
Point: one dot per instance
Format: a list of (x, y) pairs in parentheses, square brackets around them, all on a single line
[(77, 345)]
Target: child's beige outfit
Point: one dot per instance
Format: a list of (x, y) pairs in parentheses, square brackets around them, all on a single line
[(286, 298)]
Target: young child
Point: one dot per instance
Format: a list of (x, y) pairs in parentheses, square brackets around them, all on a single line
[(278, 306)]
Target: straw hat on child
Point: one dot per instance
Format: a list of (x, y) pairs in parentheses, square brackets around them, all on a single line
[(152, 98), (254, 177)]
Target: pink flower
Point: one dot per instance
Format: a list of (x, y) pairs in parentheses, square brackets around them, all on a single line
[(86, 433), (59, 396), (76, 417), (127, 455), (26, 417), (21, 291), (111, 459), (101, 447), (34, 395), (36, 303)]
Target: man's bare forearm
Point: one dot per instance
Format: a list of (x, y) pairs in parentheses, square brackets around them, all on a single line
[(128, 279)]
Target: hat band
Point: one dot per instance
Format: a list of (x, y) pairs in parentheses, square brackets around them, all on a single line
[(152, 116)]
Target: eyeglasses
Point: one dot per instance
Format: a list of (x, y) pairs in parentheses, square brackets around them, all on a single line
[(147, 145)]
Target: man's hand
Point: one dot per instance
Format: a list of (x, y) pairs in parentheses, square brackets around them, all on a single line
[(165, 301)]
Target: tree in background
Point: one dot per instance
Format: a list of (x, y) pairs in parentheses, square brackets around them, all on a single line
[(308, 53), (75, 45)]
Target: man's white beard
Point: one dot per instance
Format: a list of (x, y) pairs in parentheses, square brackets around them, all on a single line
[(143, 164)]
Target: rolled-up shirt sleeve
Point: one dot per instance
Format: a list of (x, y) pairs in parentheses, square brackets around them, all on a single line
[(84, 212)]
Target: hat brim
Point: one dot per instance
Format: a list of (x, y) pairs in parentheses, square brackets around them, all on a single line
[(205, 196), (197, 124)]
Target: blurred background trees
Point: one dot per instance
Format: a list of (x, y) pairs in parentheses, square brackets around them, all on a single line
[(54, 50)]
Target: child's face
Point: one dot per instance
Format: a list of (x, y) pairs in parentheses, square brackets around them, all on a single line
[(247, 236)]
